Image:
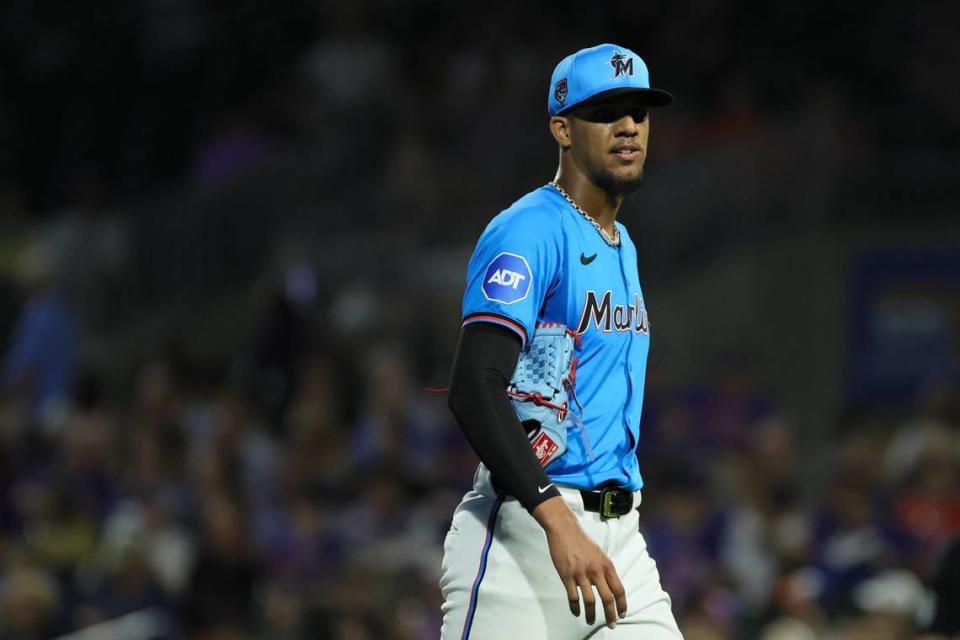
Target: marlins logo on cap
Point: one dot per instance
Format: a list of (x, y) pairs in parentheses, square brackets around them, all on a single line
[(622, 65), (586, 75)]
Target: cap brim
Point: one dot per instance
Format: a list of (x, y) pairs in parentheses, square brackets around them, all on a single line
[(647, 97)]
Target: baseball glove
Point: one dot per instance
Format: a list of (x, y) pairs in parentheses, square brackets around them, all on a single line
[(542, 388)]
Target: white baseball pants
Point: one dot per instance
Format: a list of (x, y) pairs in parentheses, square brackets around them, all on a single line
[(498, 580)]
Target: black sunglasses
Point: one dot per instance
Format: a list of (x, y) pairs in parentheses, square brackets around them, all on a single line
[(609, 112)]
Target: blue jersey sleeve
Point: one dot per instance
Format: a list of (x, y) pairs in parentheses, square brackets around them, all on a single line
[(515, 265)]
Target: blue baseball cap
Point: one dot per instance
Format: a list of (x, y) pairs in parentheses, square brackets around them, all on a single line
[(600, 72)]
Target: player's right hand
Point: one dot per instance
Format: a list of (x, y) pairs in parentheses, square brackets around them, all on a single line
[(581, 564)]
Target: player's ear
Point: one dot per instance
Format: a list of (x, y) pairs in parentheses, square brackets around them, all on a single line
[(560, 128)]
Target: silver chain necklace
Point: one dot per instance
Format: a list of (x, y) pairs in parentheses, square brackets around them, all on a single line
[(611, 239)]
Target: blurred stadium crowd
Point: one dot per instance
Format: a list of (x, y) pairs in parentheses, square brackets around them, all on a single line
[(311, 503), (212, 418)]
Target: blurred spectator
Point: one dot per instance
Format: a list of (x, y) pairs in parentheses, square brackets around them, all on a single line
[(123, 584), (299, 543), (59, 529), (285, 615), (146, 528), (683, 531), (890, 602), (929, 505), (316, 406), (29, 601), (220, 594), (398, 429), (41, 357), (767, 529), (851, 541), (282, 343)]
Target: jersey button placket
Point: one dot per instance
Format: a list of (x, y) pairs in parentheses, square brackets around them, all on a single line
[(628, 369)]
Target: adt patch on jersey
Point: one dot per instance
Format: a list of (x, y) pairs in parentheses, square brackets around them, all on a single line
[(507, 279)]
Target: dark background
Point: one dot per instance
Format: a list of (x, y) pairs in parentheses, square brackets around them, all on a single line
[(233, 238)]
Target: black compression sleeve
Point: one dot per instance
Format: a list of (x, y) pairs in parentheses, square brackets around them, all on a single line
[(485, 360)]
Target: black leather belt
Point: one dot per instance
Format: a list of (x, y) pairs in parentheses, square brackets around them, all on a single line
[(611, 502)]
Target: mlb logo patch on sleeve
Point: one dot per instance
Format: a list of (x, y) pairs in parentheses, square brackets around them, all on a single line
[(507, 279)]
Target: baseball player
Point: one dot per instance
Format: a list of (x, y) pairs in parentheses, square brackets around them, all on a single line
[(547, 545)]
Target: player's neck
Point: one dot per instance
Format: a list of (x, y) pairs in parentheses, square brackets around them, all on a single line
[(601, 206)]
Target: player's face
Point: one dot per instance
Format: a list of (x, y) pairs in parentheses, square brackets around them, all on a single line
[(608, 141)]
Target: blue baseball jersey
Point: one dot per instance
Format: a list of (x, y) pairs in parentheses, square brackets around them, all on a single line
[(541, 261)]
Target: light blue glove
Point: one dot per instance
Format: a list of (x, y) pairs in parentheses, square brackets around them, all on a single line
[(542, 388)]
